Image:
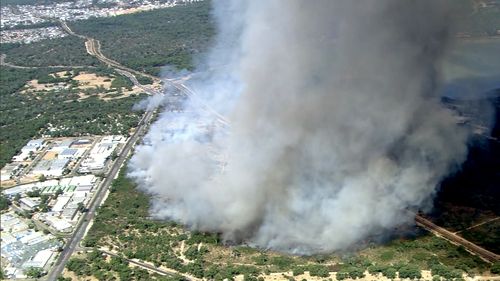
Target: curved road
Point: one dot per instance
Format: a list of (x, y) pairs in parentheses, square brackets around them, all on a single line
[(93, 48), (97, 199)]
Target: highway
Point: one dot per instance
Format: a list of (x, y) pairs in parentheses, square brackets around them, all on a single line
[(97, 199), (93, 48)]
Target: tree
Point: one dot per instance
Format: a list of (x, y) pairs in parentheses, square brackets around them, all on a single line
[(262, 259), (81, 207), (59, 192), (410, 272), (318, 270), (389, 272), (495, 268), (282, 262), (114, 155), (42, 178), (34, 272), (4, 202), (34, 193), (298, 270), (44, 198)]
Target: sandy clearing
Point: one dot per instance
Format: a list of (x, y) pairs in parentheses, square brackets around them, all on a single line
[(49, 155), (34, 86), (91, 80), (285, 276)]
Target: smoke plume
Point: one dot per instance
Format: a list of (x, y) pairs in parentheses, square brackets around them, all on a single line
[(317, 125)]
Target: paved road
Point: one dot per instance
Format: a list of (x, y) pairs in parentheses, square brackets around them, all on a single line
[(471, 247), (34, 162), (97, 200), (100, 193), (93, 48)]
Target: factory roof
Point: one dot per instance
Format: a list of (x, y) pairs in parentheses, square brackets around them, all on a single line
[(69, 151), (59, 163), (66, 143), (28, 202), (60, 203), (35, 143), (55, 164), (82, 141), (69, 213), (60, 225), (40, 259), (87, 180)]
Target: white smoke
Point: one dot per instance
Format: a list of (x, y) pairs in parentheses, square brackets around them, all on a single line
[(336, 127)]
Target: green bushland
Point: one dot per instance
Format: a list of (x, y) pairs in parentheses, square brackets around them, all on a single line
[(4, 202), (27, 115), (147, 41), (144, 80), (95, 264), (486, 235), (65, 51), (123, 224)]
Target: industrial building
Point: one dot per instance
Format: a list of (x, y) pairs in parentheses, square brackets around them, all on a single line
[(51, 168), (9, 170), (100, 154), (58, 224), (61, 203), (29, 203), (11, 224), (70, 153), (40, 260)]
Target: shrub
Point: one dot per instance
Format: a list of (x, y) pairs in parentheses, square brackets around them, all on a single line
[(282, 262)]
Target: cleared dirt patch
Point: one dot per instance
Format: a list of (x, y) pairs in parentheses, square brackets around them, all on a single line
[(34, 86), (86, 85), (91, 80), (50, 155)]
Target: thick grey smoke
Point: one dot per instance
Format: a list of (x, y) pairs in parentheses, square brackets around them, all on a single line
[(336, 127)]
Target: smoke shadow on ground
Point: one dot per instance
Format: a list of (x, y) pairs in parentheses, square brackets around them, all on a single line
[(472, 193)]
